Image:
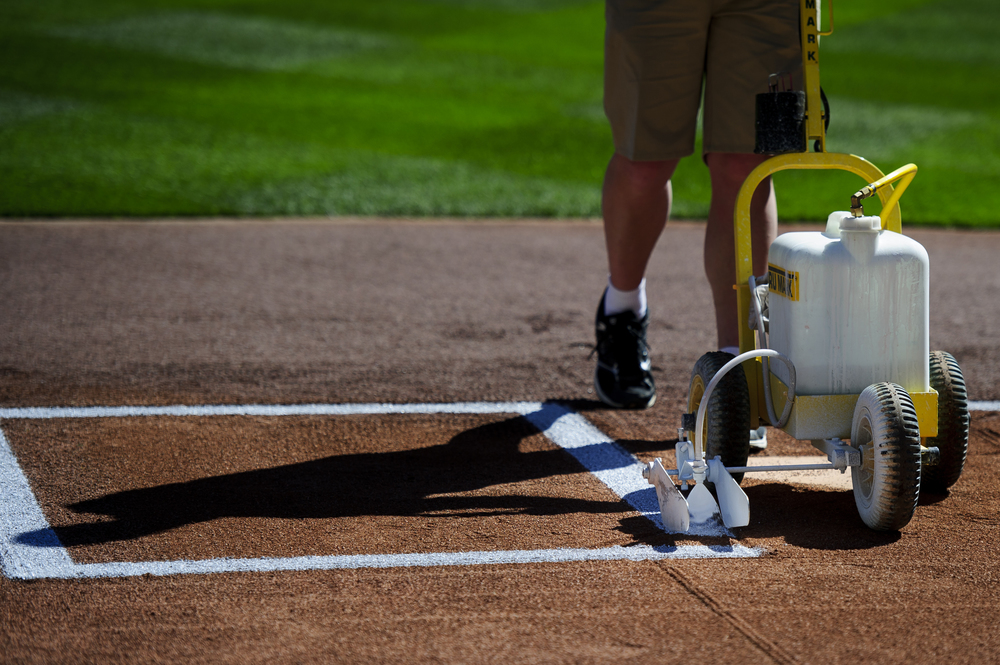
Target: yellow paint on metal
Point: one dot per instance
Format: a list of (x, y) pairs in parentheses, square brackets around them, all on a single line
[(809, 29), (926, 406), (695, 394), (815, 416), (830, 416)]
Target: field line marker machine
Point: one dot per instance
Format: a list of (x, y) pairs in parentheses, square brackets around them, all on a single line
[(836, 346)]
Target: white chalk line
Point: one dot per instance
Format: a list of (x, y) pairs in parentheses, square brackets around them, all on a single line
[(30, 549), (181, 410), (21, 515), (414, 560)]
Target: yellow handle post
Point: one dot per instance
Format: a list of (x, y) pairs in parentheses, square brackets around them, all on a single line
[(815, 122)]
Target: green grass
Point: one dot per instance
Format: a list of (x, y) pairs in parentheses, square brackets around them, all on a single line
[(436, 107)]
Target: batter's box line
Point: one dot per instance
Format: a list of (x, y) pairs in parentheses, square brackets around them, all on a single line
[(30, 549)]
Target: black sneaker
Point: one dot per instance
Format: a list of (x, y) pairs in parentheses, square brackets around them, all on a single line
[(622, 378)]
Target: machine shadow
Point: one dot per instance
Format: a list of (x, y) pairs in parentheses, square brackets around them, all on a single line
[(811, 518), (431, 480), (808, 517), (636, 446)]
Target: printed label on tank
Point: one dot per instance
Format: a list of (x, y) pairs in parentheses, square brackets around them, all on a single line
[(783, 282)]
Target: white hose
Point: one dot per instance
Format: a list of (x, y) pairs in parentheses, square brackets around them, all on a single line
[(699, 446)]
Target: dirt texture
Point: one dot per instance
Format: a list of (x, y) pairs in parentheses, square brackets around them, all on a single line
[(398, 311)]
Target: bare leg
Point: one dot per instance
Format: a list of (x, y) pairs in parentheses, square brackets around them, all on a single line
[(636, 204), (728, 171)]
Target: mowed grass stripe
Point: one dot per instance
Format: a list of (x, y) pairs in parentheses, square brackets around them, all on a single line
[(435, 107), (229, 40), (889, 131), (959, 32), (239, 174)]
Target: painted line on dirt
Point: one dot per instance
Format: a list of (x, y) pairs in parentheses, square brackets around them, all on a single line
[(984, 406), (30, 548), (21, 514), (181, 410), (72, 570), (617, 468)]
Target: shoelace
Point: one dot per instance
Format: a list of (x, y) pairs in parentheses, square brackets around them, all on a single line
[(626, 353)]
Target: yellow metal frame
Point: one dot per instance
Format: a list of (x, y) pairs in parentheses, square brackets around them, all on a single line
[(829, 416), (809, 29), (744, 247), (925, 403), (815, 414)]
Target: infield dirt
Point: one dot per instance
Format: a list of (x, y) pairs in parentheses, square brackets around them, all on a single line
[(357, 311)]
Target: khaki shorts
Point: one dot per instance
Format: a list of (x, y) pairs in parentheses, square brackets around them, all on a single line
[(658, 52)]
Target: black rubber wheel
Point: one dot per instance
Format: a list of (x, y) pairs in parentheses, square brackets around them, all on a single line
[(727, 420), (953, 424), (887, 484)]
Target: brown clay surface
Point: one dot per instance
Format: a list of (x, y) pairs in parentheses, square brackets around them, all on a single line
[(378, 311), (201, 488)]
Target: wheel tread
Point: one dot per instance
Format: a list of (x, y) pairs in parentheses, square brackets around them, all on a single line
[(728, 414), (895, 500), (953, 422)]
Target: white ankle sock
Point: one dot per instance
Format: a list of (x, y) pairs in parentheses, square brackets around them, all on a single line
[(616, 302)]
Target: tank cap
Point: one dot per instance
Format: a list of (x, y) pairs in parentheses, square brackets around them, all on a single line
[(864, 223)]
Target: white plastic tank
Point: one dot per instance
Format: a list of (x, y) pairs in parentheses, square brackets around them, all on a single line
[(849, 307)]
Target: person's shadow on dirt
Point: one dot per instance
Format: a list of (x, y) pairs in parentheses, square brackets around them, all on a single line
[(430, 480), (443, 480)]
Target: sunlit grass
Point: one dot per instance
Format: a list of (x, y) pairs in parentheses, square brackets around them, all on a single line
[(226, 40), (435, 107)]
